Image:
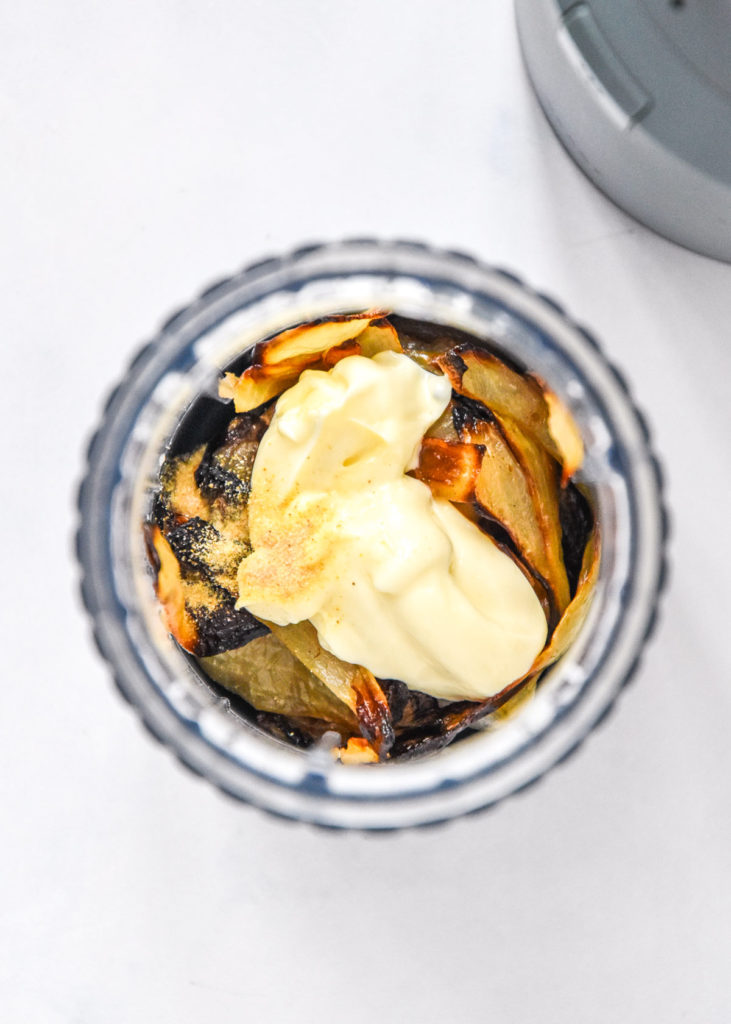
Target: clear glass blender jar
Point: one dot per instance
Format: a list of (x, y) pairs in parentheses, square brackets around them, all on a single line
[(182, 366)]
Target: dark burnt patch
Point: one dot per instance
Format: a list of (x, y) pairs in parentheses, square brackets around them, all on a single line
[(468, 413), (191, 541), (577, 522), (227, 463), (418, 333), (283, 728), (215, 481), (374, 715), (409, 708), (224, 628)]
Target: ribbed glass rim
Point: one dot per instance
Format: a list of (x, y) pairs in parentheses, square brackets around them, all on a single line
[(183, 361)]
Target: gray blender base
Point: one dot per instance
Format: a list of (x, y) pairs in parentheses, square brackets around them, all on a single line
[(639, 92)]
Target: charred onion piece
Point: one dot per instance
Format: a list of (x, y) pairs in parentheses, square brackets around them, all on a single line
[(520, 397), (313, 338), (482, 376), (278, 363), (200, 615), (198, 537), (446, 723), (378, 336), (262, 382), (450, 469), (296, 732), (267, 675), (354, 685), (575, 615), (512, 480), (562, 428), (180, 492), (170, 590), (577, 525), (543, 476), (425, 343), (517, 486), (357, 751)]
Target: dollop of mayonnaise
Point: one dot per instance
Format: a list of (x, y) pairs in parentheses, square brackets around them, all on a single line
[(392, 578)]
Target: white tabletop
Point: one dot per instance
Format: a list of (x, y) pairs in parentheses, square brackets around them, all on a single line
[(152, 148)]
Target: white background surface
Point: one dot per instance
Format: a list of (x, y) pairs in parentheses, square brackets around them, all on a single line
[(151, 148)]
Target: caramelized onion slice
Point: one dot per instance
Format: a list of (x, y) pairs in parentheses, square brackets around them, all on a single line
[(527, 510), (444, 428), (482, 376), (260, 383), (354, 685), (574, 617), (541, 474), (449, 469), (170, 589), (565, 433), (250, 391), (267, 675), (197, 537), (314, 338), (180, 490), (523, 398), (279, 362), (379, 336), (198, 612)]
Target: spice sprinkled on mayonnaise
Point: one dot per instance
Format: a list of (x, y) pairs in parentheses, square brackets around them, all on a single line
[(392, 578)]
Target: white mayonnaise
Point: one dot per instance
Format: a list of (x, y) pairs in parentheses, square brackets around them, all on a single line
[(391, 578)]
